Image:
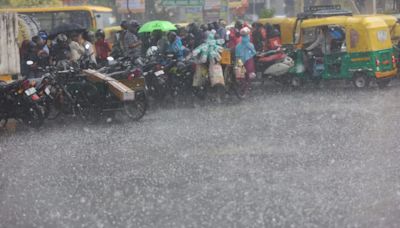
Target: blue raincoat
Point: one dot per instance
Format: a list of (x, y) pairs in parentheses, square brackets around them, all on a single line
[(245, 50), (176, 48)]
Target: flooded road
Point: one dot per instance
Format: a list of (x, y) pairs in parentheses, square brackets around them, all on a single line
[(319, 157)]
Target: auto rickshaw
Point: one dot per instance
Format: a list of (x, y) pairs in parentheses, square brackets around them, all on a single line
[(352, 48), (285, 25), (394, 27)]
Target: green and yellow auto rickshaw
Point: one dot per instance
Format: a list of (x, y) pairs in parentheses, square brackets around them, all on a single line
[(344, 47)]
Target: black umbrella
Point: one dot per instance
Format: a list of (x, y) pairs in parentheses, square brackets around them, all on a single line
[(66, 29)]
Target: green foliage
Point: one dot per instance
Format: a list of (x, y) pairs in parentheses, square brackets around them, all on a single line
[(29, 3), (109, 3), (267, 13)]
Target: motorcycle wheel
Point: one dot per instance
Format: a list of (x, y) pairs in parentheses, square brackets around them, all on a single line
[(238, 87), (51, 113), (136, 109), (160, 90), (87, 104), (3, 123), (200, 92), (34, 117)]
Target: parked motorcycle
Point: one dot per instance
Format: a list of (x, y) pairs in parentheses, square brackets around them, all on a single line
[(71, 93), (20, 101)]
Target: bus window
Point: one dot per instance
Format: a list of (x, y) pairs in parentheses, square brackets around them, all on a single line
[(104, 19), (82, 18), (45, 20), (72, 17), (51, 20)]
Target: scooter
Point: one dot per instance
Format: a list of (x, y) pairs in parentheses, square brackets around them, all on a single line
[(274, 64)]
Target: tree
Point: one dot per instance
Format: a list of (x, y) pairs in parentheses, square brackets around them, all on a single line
[(109, 3), (26, 3), (267, 13)]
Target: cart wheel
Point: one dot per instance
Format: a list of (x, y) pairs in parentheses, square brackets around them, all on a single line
[(238, 87), (136, 109), (383, 83), (360, 81)]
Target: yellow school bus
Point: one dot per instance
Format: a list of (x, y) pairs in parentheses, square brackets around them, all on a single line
[(90, 17)]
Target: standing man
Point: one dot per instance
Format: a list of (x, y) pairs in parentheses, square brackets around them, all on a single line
[(118, 47), (132, 43), (77, 49)]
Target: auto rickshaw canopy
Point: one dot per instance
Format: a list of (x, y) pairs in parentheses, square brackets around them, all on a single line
[(286, 26), (363, 34), (392, 23)]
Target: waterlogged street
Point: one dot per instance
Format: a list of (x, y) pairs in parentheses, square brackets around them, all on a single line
[(314, 157)]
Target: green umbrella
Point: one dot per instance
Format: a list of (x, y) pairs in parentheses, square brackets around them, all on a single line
[(157, 25)]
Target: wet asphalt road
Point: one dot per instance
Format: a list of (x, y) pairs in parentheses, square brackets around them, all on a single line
[(308, 158)]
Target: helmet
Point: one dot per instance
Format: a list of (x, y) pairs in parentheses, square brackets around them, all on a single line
[(245, 31), (152, 51), (239, 24), (61, 38), (124, 24), (133, 24), (172, 36), (43, 35), (89, 36), (100, 33)]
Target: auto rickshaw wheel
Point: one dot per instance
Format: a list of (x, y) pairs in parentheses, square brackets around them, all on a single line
[(383, 83), (360, 81)]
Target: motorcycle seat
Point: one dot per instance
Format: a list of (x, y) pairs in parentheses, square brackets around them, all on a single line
[(9, 86), (269, 52), (272, 58)]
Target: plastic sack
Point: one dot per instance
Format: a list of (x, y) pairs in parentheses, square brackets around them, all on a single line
[(216, 74), (240, 70), (200, 76)]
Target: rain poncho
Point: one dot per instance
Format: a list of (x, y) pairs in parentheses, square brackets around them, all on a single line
[(245, 49), (177, 48), (210, 50)]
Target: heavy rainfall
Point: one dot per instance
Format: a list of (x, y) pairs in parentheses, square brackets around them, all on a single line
[(258, 113)]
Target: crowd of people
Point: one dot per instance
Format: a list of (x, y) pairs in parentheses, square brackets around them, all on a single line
[(243, 39)]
